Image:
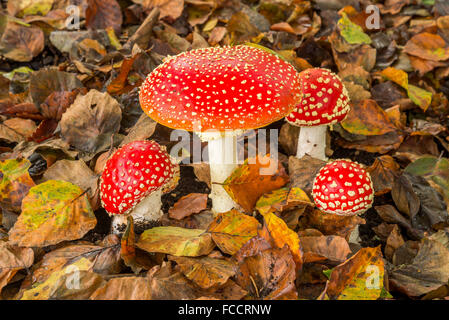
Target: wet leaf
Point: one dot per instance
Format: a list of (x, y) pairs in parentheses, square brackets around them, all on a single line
[(90, 121), (188, 205), (230, 230), (282, 235), (206, 272), (52, 212), (176, 241), (249, 181), (359, 278)]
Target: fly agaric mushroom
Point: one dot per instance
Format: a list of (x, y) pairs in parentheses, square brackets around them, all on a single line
[(132, 183), (325, 101), (343, 187), (218, 93)]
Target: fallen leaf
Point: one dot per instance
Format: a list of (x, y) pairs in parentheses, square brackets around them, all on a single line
[(282, 235), (206, 272), (230, 230), (188, 205), (90, 121), (268, 275), (24, 127), (359, 278), (427, 46), (303, 171), (15, 183), (383, 172), (20, 42), (282, 199), (368, 119), (322, 248), (352, 32), (22, 8), (13, 259), (52, 212), (123, 288), (394, 241), (331, 224), (55, 287), (176, 241), (168, 8), (78, 173), (103, 14), (248, 182), (51, 82), (428, 271)]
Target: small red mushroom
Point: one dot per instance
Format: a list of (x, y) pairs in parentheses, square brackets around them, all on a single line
[(132, 183), (325, 101), (343, 187), (218, 93)]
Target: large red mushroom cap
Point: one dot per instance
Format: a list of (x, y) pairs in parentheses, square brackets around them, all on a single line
[(132, 173), (325, 99), (221, 88), (343, 187)]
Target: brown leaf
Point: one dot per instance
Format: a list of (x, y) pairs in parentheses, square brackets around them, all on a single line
[(383, 172), (332, 224), (188, 205), (13, 259), (21, 43), (48, 81), (248, 182), (303, 171), (321, 248), (57, 103), (216, 35), (90, 121), (101, 14), (76, 172), (389, 214), (405, 198), (169, 8), (206, 272), (428, 46), (394, 241), (123, 288), (24, 127), (288, 138), (428, 271), (269, 275)]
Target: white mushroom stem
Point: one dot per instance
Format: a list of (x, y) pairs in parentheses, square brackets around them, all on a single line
[(148, 210), (312, 141), (222, 160)]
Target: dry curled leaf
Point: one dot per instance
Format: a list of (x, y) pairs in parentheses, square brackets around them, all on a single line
[(103, 14), (188, 205)]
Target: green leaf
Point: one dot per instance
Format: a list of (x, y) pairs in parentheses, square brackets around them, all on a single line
[(328, 273), (352, 32)]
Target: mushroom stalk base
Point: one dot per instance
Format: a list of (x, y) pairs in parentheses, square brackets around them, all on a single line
[(312, 141), (222, 161), (147, 212)]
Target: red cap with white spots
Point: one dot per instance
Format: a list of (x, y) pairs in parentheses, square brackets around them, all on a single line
[(221, 88), (325, 99), (132, 173), (343, 187)]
